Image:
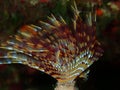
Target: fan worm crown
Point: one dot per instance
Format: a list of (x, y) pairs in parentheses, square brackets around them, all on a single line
[(56, 49)]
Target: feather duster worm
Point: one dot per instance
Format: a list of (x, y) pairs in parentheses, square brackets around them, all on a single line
[(56, 49)]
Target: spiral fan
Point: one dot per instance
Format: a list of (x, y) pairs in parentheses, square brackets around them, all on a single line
[(60, 50)]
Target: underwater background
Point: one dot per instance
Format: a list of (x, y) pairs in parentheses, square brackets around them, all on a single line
[(104, 74)]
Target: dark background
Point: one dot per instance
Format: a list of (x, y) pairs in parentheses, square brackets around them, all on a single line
[(105, 73)]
